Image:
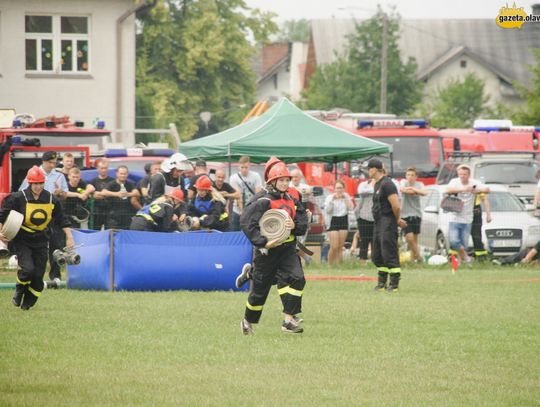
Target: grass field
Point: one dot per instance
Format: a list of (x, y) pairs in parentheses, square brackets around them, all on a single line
[(467, 339)]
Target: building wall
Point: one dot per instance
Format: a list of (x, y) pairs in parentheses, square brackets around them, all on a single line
[(84, 96), (266, 89), (493, 86)]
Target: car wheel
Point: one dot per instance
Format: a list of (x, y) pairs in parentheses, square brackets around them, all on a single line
[(440, 244)]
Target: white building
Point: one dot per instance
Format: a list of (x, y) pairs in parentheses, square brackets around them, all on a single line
[(70, 57)]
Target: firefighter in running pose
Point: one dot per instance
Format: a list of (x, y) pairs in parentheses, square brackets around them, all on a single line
[(275, 261), (162, 214), (386, 213), (31, 244)]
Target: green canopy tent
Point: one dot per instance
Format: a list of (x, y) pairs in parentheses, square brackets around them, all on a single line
[(286, 132)]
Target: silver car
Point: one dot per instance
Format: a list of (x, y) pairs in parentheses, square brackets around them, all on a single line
[(512, 228)]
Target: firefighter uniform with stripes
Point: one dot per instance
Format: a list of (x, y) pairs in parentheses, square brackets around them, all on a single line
[(160, 215), (279, 264), (208, 207), (31, 244)]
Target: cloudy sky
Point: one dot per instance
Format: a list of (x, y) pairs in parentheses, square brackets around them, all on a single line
[(410, 9)]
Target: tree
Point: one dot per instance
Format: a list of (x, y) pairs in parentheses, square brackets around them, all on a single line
[(354, 81), (458, 104), (531, 114), (294, 31), (194, 56)]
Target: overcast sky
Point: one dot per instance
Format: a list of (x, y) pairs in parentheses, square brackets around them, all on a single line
[(409, 9)]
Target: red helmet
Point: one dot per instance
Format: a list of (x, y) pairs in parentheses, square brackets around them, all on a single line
[(35, 175), (177, 194), (278, 170), (269, 164), (203, 183)]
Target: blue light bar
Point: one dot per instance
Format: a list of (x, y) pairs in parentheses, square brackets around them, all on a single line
[(100, 124), (488, 129), (393, 123), (17, 123), (116, 152)]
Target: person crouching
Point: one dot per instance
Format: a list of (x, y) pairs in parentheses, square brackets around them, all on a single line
[(161, 214), (207, 210), (274, 260)]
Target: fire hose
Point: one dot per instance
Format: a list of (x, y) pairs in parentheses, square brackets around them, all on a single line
[(272, 225)]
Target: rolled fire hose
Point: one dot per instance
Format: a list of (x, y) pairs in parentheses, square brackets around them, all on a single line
[(12, 225), (272, 225)]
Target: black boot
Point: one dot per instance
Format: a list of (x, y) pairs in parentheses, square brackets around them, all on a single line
[(381, 284), (20, 289), (394, 282), (28, 301)]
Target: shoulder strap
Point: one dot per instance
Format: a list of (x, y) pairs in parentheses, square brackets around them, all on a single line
[(245, 183)]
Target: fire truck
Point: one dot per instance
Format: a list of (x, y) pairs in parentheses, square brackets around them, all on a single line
[(413, 142), (25, 139)]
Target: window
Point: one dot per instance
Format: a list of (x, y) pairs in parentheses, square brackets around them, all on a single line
[(57, 44), (463, 63)]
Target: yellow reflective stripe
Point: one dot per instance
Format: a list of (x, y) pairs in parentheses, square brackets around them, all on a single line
[(254, 307), (223, 216), (395, 270), (480, 252), (451, 251), (385, 269), (146, 216), (154, 208), (27, 229), (23, 282), (289, 239), (36, 293), (289, 290)]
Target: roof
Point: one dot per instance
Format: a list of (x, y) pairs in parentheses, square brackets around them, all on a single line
[(507, 52), (272, 57)]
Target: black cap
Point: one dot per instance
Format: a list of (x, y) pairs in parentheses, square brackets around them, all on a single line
[(49, 155), (375, 163), (200, 163), (147, 167)]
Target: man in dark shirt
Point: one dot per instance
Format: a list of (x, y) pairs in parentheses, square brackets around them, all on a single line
[(123, 197), (225, 189), (200, 170), (386, 215), (101, 206), (77, 198), (170, 176)]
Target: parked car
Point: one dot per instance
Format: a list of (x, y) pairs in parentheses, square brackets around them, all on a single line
[(512, 228)]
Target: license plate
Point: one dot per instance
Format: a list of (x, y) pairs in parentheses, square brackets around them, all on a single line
[(505, 243)]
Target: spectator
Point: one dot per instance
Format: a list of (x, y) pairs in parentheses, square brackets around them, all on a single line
[(142, 186), (480, 252), (225, 189), (411, 209), (208, 207), (525, 256), (200, 170), (170, 176), (100, 210), (68, 162), (123, 198), (386, 214), (159, 216), (55, 183), (303, 188), (337, 207), (248, 183), (461, 222), (77, 197), (364, 218)]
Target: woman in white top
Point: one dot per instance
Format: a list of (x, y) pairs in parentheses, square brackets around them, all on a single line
[(337, 206)]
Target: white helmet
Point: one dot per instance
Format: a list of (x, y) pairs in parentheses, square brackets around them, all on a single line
[(437, 260), (178, 161)]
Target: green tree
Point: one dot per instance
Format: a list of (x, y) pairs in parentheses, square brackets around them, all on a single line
[(458, 104), (294, 31), (194, 56), (354, 81), (531, 114)]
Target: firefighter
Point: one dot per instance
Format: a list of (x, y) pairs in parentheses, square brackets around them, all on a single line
[(275, 261), (40, 209), (386, 215), (207, 209), (480, 252), (160, 216)]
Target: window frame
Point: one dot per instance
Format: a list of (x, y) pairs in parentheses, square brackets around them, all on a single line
[(57, 37)]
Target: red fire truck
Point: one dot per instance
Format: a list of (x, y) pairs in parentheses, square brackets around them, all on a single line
[(413, 143), (23, 144)]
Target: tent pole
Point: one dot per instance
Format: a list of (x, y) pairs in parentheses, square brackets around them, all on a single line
[(392, 164)]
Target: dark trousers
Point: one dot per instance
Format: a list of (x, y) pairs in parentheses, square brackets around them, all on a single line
[(282, 266), (57, 241), (476, 232), (32, 262), (384, 249), (365, 229)]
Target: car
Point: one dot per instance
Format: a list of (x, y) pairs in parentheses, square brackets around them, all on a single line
[(513, 226), (516, 171)]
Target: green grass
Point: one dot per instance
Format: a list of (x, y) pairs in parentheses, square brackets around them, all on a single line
[(467, 339)]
